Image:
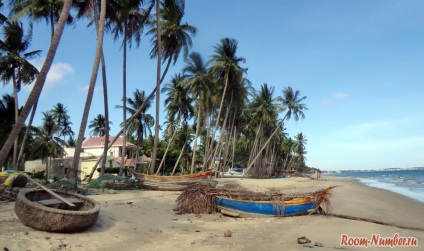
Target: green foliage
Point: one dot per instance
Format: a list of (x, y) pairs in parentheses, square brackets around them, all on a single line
[(113, 170), (41, 175)]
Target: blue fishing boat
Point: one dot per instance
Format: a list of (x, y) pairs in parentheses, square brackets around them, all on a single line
[(296, 206)]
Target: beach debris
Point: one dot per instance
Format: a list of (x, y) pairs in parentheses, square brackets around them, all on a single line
[(318, 244), (303, 240), (228, 233), (8, 193), (308, 246)]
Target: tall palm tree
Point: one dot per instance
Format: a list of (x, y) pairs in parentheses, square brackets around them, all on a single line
[(65, 128), (93, 78), (60, 114), (45, 143), (201, 89), (143, 121), (14, 64), (178, 105), (98, 126), (128, 22), (172, 36), (292, 103), (39, 83), (227, 70), (49, 10), (300, 149)]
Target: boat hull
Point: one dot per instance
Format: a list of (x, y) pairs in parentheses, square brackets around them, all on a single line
[(61, 219), (243, 208), (174, 183)]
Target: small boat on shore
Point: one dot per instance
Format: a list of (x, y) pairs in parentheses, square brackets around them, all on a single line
[(174, 183), (233, 173), (41, 210), (300, 205)]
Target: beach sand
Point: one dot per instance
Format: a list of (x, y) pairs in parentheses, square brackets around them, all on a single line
[(144, 220)]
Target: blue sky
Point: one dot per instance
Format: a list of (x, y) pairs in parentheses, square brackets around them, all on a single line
[(358, 62)]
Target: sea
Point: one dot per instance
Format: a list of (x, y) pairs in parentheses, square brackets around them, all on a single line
[(409, 182)]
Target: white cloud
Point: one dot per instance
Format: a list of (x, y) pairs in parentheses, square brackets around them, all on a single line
[(335, 96), (57, 73)]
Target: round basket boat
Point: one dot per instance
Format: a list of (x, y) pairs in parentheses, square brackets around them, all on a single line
[(41, 210)]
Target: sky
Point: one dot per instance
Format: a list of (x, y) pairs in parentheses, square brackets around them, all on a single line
[(359, 63)]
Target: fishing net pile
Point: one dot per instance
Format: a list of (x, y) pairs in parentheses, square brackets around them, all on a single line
[(200, 199), (8, 193)]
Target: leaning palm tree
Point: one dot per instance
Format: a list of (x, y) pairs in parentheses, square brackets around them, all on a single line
[(172, 36), (14, 64), (93, 78), (292, 103), (178, 105), (200, 87), (227, 70), (39, 83)]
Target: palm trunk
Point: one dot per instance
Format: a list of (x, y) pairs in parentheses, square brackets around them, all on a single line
[(100, 33), (106, 104), (15, 144), (39, 83), (124, 102), (158, 36), (193, 160), (178, 160), (21, 151), (169, 144)]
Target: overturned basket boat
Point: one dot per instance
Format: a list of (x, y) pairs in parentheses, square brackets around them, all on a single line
[(43, 211)]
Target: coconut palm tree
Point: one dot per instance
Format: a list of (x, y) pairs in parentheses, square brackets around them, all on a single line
[(60, 114), (292, 103), (98, 126), (227, 70), (178, 105), (143, 121), (172, 37), (39, 83), (14, 64), (201, 89), (49, 10), (93, 78), (65, 128), (129, 21), (45, 144)]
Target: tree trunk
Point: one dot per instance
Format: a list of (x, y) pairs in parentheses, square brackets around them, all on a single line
[(39, 83), (158, 36), (15, 144), (178, 160), (193, 160), (21, 151), (106, 104), (100, 33), (169, 144), (124, 102)]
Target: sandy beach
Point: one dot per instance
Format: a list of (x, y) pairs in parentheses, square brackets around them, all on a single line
[(144, 220)]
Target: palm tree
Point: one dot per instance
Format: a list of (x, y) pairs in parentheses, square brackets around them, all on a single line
[(178, 105), (39, 83), (98, 126), (292, 102), (98, 55), (201, 89), (65, 128), (300, 149), (49, 10), (60, 114), (128, 21), (14, 64), (45, 143), (172, 36), (143, 122), (227, 70)]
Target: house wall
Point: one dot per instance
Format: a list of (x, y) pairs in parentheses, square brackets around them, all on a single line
[(86, 167), (99, 151), (56, 167)]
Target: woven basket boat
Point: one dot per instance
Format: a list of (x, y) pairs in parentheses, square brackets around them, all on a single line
[(41, 210)]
